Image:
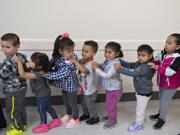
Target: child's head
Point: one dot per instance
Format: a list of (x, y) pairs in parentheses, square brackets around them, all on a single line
[(64, 47), (40, 62), (10, 43), (145, 53), (113, 50), (89, 49), (172, 43)]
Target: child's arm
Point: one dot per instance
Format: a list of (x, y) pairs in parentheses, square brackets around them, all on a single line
[(61, 73), (110, 73), (139, 71), (127, 64), (22, 73), (82, 68)]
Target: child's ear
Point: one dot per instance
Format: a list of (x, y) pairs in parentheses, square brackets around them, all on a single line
[(60, 51)]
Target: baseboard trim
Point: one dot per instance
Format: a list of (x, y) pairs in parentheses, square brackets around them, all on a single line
[(57, 100)]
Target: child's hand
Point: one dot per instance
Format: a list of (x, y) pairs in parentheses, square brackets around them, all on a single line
[(31, 64), (74, 61), (152, 65), (94, 66), (117, 66), (16, 59)]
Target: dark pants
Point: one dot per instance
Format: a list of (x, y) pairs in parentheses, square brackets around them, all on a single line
[(70, 101), (15, 107), (2, 119), (44, 105)]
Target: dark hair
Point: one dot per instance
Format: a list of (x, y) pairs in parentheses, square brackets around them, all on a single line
[(41, 61), (116, 47), (61, 42), (92, 44), (177, 36), (11, 37), (147, 49)]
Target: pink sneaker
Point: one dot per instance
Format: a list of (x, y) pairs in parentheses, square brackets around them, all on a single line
[(54, 123), (41, 128), (72, 123), (65, 119)]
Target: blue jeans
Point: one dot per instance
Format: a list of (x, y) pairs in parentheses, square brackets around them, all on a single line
[(44, 105)]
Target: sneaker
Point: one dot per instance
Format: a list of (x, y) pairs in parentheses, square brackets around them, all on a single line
[(84, 117), (41, 128), (105, 119), (159, 124), (92, 121), (14, 131), (54, 123), (65, 119), (135, 127), (72, 123), (109, 125), (154, 117)]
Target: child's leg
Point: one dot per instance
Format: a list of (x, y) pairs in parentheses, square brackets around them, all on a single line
[(142, 102), (66, 103), (112, 99), (41, 106), (165, 99), (90, 102), (17, 111), (72, 99), (49, 107), (84, 107), (2, 119)]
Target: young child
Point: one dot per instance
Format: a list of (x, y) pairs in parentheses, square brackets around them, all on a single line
[(39, 65), (87, 77), (111, 81), (65, 78), (14, 86), (142, 76), (168, 79)]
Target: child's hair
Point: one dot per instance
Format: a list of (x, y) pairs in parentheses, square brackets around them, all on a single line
[(116, 47), (177, 36), (61, 42), (92, 44), (12, 37), (147, 49), (41, 61)]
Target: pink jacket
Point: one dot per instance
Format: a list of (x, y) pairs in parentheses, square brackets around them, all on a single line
[(163, 79)]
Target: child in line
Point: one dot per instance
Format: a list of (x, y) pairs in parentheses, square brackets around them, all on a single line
[(14, 86), (111, 81), (142, 76), (65, 78), (168, 80), (87, 85), (39, 65)]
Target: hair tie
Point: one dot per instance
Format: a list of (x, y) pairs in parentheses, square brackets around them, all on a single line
[(65, 35)]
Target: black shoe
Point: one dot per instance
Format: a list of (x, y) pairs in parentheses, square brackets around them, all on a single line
[(92, 121), (84, 117), (154, 117), (159, 124)]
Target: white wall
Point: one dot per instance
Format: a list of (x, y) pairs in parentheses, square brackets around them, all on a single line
[(129, 22)]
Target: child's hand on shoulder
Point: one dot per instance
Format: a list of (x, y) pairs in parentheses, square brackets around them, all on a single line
[(94, 65), (152, 65), (16, 59), (117, 66)]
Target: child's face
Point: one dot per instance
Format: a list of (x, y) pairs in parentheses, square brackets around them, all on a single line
[(110, 54), (8, 48), (87, 52), (67, 52), (144, 57), (171, 45)]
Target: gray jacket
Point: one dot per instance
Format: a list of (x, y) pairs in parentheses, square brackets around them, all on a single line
[(142, 76)]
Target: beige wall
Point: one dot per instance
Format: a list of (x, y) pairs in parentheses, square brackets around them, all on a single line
[(129, 22)]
